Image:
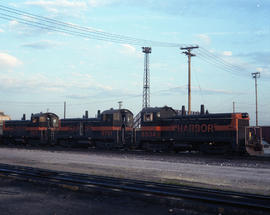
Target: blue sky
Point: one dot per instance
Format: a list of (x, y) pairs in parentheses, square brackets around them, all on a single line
[(40, 69)]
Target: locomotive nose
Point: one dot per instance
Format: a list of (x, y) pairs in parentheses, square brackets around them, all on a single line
[(253, 141)]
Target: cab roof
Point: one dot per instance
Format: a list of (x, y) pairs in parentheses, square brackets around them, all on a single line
[(112, 111)]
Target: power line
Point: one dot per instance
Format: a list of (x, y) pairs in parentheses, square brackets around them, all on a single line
[(45, 23), (219, 59), (55, 25), (219, 62)]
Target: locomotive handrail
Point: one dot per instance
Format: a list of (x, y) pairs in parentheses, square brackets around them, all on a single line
[(137, 120)]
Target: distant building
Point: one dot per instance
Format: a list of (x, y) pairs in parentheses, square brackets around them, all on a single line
[(3, 117)]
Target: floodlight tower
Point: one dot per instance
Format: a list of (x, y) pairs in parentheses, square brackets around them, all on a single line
[(146, 78), (256, 75)]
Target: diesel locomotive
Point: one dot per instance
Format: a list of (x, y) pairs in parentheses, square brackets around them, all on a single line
[(157, 128), (165, 129), (110, 129)]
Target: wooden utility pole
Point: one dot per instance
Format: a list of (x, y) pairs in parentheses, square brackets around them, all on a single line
[(189, 54)]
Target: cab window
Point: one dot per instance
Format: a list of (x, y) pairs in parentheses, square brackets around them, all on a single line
[(148, 117), (116, 117), (55, 122), (42, 119)]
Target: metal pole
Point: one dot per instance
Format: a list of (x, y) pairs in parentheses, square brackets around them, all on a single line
[(64, 110), (189, 83), (256, 75), (256, 101), (146, 78)]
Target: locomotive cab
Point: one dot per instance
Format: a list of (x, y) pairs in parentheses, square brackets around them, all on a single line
[(120, 117), (115, 129), (44, 125), (48, 120), (40, 129), (151, 135), (153, 114)]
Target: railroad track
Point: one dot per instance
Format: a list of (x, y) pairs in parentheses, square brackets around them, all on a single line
[(83, 181)]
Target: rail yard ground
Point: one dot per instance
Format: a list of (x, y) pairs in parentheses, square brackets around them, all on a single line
[(19, 197), (227, 173)]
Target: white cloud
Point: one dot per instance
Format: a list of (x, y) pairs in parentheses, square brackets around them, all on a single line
[(129, 47), (99, 3), (204, 38), (130, 50), (24, 30), (259, 69), (196, 89), (36, 83), (227, 53), (7, 61), (13, 23), (85, 81), (44, 44), (265, 71), (73, 86), (58, 3), (56, 7)]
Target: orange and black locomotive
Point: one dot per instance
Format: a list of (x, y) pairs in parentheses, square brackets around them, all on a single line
[(158, 128), (166, 129)]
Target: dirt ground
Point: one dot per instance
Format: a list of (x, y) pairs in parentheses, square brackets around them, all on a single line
[(18, 197)]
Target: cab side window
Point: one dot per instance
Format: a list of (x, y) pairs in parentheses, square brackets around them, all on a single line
[(116, 117), (148, 117)]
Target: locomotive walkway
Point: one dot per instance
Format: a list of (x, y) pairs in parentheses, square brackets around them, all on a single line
[(242, 179)]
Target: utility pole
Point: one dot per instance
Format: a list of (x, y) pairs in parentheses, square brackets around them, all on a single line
[(64, 110), (233, 107), (256, 75), (146, 78), (189, 54)]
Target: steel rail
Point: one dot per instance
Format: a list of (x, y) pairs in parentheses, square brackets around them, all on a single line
[(252, 201)]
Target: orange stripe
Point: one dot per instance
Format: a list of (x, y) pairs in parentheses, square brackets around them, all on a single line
[(159, 128), (8, 129), (36, 129), (230, 127), (106, 128), (67, 129)]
